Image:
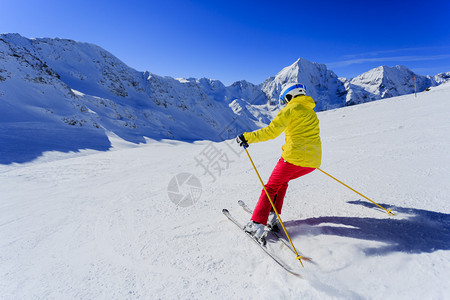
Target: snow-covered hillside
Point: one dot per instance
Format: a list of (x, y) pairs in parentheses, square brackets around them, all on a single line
[(100, 224), (62, 95), (76, 92)]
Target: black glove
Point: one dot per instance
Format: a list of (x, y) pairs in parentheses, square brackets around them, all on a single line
[(242, 141)]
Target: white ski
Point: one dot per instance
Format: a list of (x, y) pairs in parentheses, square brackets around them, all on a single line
[(273, 256)]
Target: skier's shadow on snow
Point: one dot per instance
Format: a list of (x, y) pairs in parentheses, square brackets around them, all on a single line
[(414, 231)]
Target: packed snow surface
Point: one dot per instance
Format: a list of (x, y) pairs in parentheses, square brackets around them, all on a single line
[(100, 224)]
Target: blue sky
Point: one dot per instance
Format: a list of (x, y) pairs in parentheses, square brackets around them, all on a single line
[(252, 40)]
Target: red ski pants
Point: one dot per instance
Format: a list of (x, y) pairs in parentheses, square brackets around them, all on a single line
[(276, 187)]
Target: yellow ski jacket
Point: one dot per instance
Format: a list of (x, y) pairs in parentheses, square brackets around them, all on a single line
[(301, 125)]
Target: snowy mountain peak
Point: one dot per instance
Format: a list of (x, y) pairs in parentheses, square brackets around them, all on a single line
[(80, 89), (441, 77), (299, 67), (385, 82), (321, 84)]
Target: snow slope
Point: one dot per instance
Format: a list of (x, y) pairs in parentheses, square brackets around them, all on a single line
[(76, 93), (101, 225), (57, 89)]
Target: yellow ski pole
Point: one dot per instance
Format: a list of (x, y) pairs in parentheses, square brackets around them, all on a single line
[(389, 212), (299, 257)]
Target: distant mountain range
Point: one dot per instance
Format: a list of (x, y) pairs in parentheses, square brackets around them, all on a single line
[(48, 84), (330, 92)]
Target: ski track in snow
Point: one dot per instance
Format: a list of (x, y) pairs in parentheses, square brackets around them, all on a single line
[(101, 225)]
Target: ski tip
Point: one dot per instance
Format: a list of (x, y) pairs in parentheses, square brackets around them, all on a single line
[(240, 202), (225, 211)]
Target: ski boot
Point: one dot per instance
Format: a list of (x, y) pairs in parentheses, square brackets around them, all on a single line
[(272, 222), (257, 230)]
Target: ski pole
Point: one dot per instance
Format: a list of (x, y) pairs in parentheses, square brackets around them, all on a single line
[(389, 212), (299, 257)]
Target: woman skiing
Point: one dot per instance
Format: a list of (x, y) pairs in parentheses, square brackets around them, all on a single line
[(301, 155)]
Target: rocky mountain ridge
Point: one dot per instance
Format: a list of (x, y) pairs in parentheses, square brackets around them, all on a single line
[(48, 85)]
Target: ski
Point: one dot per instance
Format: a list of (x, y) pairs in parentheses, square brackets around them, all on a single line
[(286, 243), (273, 256)]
